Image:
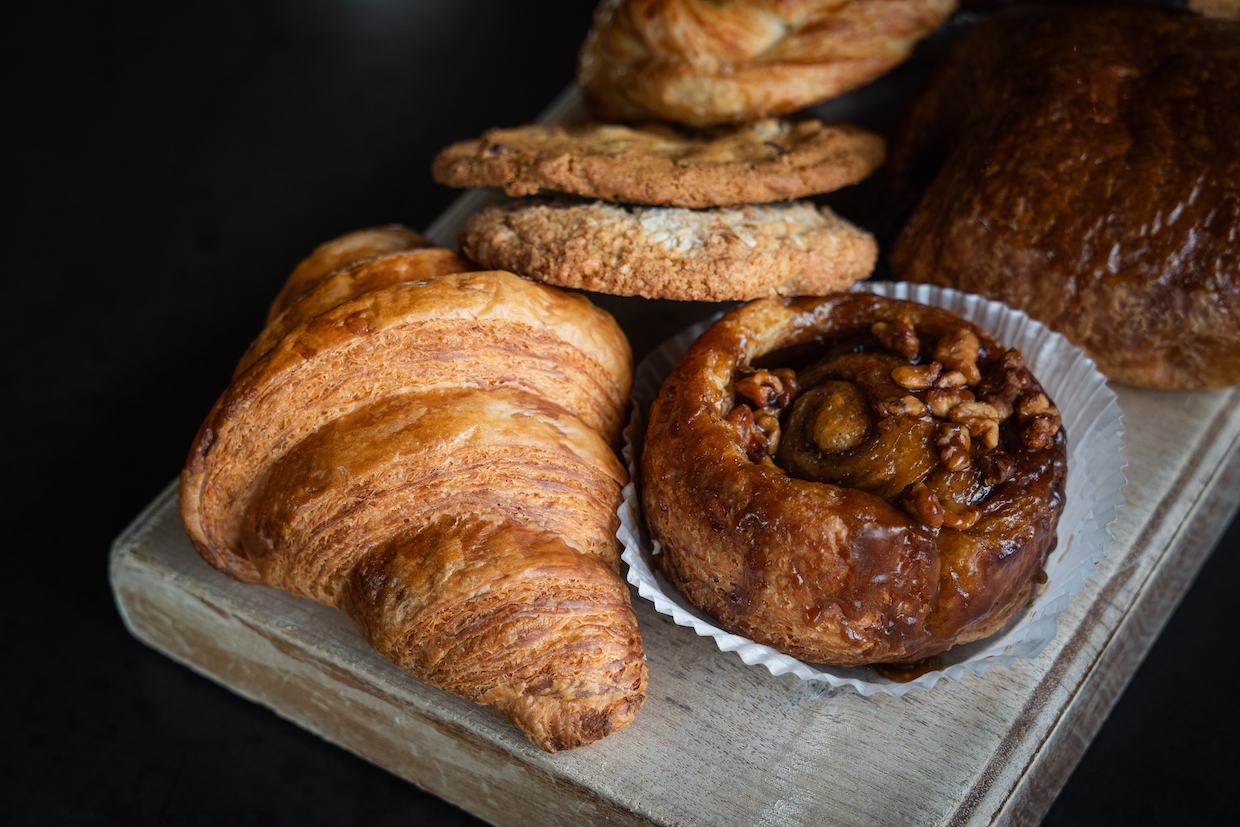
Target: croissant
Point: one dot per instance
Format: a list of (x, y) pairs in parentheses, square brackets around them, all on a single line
[(852, 479), (340, 252), (433, 457)]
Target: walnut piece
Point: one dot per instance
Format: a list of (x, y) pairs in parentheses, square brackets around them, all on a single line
[(767, 421), (900, 406), (916, 377), (996, 468), (958, 351), (752, 439), (788, 395), (899, 337), (761, 388), (955, 442), (942, 400), (1041, 418), (924, 504)]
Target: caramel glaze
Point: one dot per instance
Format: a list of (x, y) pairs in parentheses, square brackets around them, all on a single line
[(824, 554), (1083, 165)]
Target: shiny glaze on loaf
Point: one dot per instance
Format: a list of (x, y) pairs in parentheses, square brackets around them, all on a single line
[(1083, 165)]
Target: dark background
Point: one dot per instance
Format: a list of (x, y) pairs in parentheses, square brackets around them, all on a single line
[(166, 166)]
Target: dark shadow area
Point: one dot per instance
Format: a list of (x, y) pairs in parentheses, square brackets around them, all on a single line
[(167, 166)]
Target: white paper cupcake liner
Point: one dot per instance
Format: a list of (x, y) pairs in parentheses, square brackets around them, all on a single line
[(1091, 417)]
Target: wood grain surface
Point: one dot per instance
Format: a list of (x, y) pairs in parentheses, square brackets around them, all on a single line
[(719, 742)]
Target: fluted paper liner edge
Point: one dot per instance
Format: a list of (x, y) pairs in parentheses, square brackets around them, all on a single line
[(1091, 417)]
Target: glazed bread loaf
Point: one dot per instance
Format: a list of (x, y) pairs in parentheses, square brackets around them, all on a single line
[(853, 480), (433, 457), (1083, 165)]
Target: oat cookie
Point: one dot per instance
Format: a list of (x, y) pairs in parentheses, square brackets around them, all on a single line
[(771, 160), (707, 62), (716, 254)]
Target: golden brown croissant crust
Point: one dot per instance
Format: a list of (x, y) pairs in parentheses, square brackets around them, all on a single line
[(399, 456), (710, 62), (334, 288), (853, 479), (341, 252), (1083, 165)]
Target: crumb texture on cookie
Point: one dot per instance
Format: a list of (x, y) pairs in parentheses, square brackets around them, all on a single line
[(771, 160), (709, 62), (721, 254)]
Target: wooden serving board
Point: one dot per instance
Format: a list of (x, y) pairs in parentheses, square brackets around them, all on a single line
[(719, 742)]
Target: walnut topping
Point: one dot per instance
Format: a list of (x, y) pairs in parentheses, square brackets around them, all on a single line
[(1033, 404), (981, 418), (899, 337), (952, 379), (1001, 404), (916, 377), (987, 430), (924, 504), (996, 468), (1015, 380), (942, 400), (958, 351), (752, 439), (767, 421), (900, 406), (1041, 432), (955, 442), (966, 411), (788, 395), (1042, 420), (761, 388)]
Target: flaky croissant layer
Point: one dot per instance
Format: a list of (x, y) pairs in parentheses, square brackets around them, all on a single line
[(391, 448)]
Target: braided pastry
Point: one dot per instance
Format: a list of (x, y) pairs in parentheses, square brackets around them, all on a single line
[(853, 479), (710, 62), (434, 458)]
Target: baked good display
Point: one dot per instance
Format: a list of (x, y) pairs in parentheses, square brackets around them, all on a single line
[(434, 458), (708, 62), (728, 253), (853, 479), (771, 160), (1083, 165)]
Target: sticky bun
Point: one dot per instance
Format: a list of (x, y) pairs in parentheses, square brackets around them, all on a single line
[(853, 479)]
